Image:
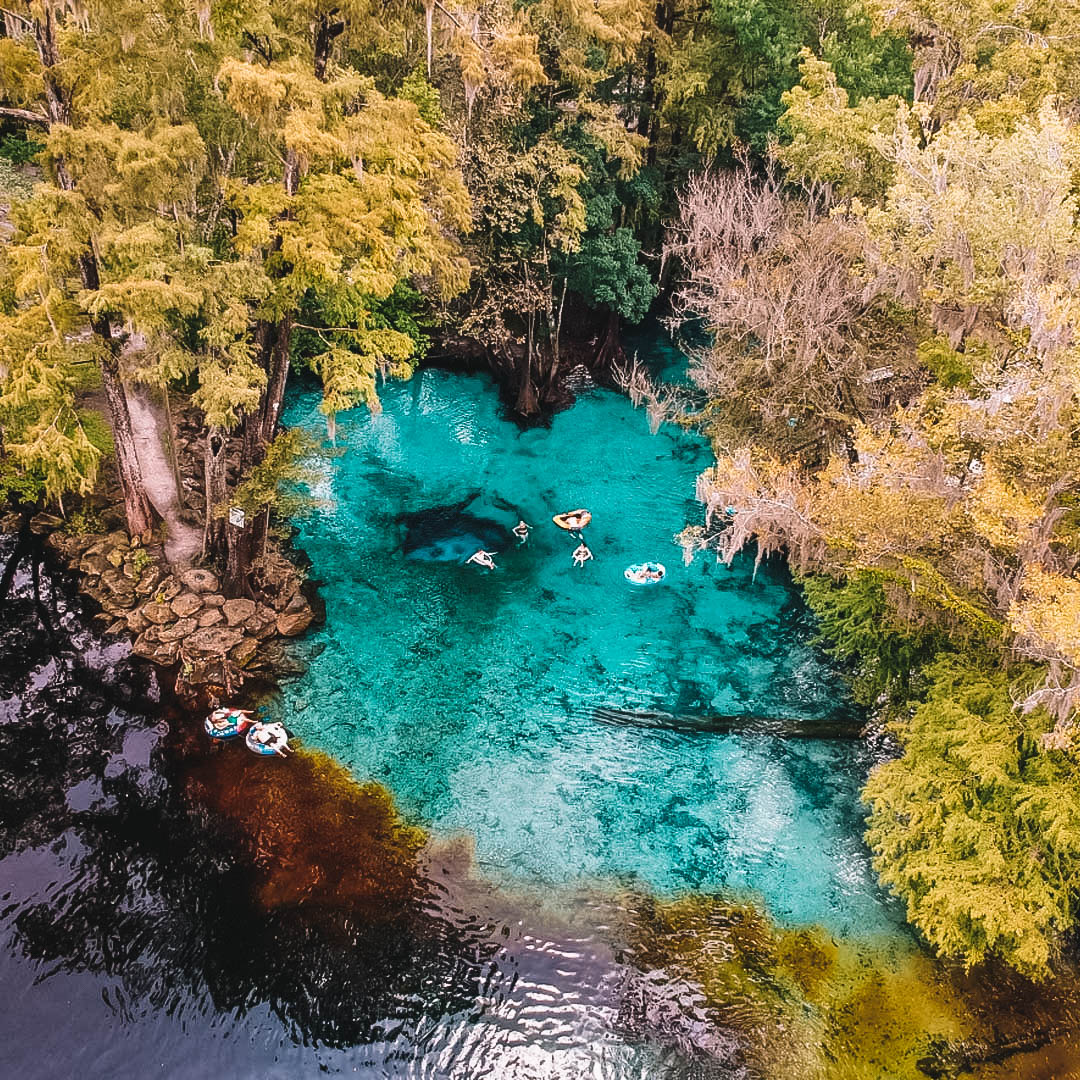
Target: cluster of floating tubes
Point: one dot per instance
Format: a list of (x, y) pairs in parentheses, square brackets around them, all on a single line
[(574, 521), (260, 736)]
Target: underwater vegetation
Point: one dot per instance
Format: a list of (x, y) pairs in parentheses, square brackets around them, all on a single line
[(808, 1005), (315, 835)]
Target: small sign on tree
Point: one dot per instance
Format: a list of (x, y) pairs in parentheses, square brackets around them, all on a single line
[(236, 516)]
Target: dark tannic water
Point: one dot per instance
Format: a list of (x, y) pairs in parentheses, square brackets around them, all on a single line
[(167, 909)]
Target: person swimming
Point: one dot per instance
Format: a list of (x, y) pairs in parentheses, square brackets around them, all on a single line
[(521, 531), (482, 558), (581, 555)]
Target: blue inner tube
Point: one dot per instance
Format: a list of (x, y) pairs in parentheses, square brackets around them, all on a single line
[(649, 573), (228, 731), (266, 749)]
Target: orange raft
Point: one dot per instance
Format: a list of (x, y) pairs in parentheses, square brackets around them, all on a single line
[(573, 520)]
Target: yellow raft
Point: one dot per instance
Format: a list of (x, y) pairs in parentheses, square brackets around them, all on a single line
[(573, 520)]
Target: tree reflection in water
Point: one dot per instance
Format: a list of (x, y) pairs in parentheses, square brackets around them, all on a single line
[(132, 849)]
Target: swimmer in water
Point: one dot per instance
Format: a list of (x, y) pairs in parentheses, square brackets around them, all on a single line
[(521, 531), (482, 558), (220, 719)]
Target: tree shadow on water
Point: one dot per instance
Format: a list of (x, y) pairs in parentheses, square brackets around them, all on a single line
[(206, 877)]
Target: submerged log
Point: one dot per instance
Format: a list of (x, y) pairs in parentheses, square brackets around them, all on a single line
[(784, 727), (948, 1060)]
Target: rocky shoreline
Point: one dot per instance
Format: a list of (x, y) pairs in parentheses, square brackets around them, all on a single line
[(180, 618), (177, 616)]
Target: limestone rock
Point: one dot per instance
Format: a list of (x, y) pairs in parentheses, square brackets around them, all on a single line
[(137, 622), (296, 603), (244, 651), (216, 640), (210, 616), (289, 624), (92, 565), (179, 630), (94, 591), (116, 558), (110, 577), (117, 628), (164, 654), (213, 599), (119, 605), (158, 613), (238, 611), (200, 581), (148, 582), (186, 604), (279, 659), (167, 590), (117, 539)]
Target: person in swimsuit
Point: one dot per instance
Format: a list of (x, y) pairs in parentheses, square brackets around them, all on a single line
[(268, 734), (482, 558), (221, 718), (582, 555), (521, 531)]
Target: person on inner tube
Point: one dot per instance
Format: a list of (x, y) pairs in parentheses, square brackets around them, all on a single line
[(482, 558), (267, 734), (521, 531), (582, 555), (220, 717)]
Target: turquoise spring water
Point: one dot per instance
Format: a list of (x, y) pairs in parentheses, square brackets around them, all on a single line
[(471, 694)]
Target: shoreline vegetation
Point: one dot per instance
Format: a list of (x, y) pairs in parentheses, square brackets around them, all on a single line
[(870, 210)]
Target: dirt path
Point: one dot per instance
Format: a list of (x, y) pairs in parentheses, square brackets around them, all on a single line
[(183, 542)]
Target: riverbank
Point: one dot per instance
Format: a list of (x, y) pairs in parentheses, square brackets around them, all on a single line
[(152, 590)]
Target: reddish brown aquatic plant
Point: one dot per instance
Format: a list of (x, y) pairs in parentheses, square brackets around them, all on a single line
[(316, 836)]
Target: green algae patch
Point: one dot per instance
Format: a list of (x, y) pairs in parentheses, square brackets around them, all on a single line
[(806, 1005), (316, 835)]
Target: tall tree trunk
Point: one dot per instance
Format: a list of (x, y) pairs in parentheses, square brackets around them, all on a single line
[(215, 463), (174, 460), (556, 331), (260, 427), (429, 13), (238, 560), (526, 400), (273, 341), (139, 513), (327, 29), (137, 508), (610, 347)]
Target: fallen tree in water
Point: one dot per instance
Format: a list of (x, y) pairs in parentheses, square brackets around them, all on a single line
[(784, 727)]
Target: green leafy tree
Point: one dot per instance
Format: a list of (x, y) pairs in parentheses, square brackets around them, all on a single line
[(975, 827)]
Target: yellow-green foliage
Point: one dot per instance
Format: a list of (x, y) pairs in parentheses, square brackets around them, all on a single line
[(976, 827), (829, 145)]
